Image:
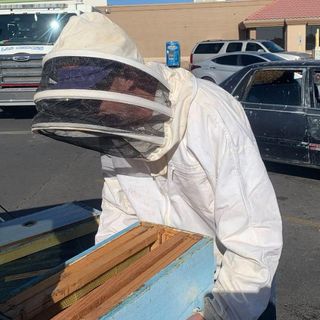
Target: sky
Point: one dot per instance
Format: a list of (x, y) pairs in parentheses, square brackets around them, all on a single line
[(128, 2)]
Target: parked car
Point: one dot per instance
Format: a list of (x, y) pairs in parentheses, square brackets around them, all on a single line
[(208, 49), (223, 66), (282, 103)]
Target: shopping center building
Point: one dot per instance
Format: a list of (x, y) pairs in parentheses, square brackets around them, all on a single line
[(290, 23)]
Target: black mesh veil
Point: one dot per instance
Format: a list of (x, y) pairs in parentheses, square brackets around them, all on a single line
[(103, 105), (99, 74)]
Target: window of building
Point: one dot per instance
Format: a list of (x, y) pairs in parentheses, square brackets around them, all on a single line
[(276, 34), (311, 36), (275, 87), (231, 60), (234, 46)]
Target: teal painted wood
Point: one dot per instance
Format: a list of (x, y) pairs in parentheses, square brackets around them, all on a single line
[(49, 259), (43, 222), (174, 292), (171, 294), (54, 258), (19, 287)]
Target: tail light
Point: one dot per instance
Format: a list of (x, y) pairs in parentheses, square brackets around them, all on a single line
[(191, 58), (193, 66)]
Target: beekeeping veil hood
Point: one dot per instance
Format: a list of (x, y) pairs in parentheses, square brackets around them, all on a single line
[(96, 92)]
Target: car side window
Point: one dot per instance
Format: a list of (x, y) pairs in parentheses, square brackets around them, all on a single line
[(234, 46), (246, 59), (276, 87), (316, 88), (252, 46), (231, 60), (205, 48)]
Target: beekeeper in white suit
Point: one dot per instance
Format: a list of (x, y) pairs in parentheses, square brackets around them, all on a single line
[(177, 151)]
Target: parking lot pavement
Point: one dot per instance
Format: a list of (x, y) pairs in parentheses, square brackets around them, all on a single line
[(36, 172), (298, 277)]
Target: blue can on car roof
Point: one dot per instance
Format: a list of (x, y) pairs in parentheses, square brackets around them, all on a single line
[(173, 54)]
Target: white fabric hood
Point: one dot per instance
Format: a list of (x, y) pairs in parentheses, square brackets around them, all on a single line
[(94, 37), (92, 34), (183, 88)]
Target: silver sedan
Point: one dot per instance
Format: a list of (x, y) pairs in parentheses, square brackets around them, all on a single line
[(223, 66)]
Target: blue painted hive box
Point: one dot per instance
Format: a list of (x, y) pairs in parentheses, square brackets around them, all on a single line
[(41, 242), (147, 271)]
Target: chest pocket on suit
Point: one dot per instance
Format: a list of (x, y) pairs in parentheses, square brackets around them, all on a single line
[(192, 185)]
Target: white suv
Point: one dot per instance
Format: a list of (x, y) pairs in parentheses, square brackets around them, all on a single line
[(208, 49)]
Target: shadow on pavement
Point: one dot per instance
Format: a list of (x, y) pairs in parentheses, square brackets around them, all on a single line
[(92, 203), (292, 170), (17, 112)]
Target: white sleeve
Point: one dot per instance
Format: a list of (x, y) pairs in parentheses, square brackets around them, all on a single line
[(247, 218), (117, 212)]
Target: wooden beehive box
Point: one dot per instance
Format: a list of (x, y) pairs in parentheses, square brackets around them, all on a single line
[(40, 243), (147, 271)]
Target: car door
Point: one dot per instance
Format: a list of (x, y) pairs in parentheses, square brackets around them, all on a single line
[(274, 102), (313, 116), (225, 66)]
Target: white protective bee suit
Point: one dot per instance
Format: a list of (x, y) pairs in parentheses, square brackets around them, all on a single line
[(204, 173)]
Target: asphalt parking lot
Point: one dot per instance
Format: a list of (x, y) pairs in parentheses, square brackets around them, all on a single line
[(36, 172)]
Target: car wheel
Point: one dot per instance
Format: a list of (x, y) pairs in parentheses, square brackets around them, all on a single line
[(208, 78)]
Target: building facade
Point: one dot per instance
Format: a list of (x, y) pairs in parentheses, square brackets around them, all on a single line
[(291, 23), (151, 26)]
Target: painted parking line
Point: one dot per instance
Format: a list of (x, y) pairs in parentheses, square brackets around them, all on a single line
[(302, 222), (14, 132)]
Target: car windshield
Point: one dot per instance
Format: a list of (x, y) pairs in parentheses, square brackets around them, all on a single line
[(231, 82), (272, 47), (271, 57), (22, 29)]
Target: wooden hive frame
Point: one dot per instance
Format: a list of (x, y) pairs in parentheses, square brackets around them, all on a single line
[(97, 281)]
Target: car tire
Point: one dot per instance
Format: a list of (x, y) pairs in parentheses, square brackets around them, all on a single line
[(208, 78)]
